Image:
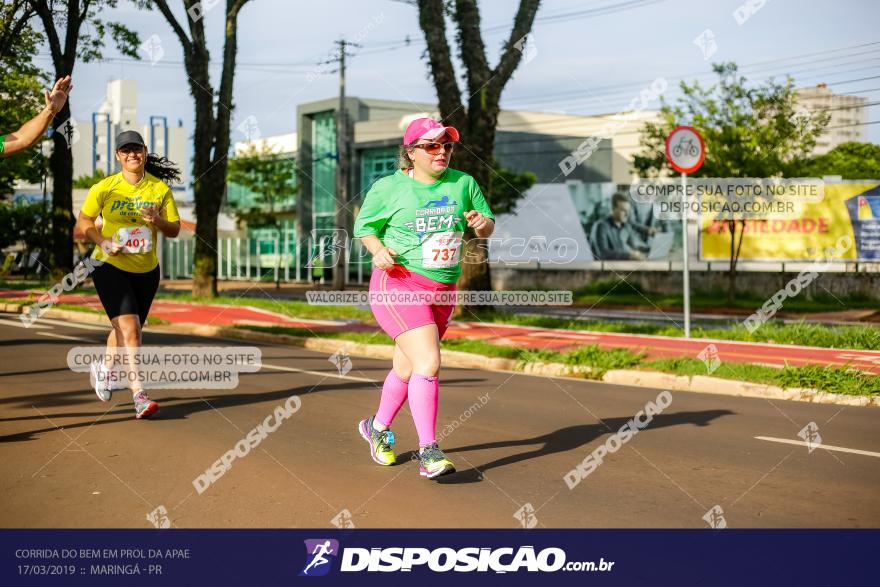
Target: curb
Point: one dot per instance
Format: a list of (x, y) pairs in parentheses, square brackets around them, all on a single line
[(651, 379), (71, 315)]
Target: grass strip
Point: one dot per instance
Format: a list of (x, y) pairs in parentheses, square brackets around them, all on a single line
[(823, 378)]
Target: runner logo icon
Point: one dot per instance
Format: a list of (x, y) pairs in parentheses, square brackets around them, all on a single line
[(320, 553)]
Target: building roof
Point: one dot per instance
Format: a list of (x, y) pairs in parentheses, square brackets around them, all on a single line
[(546, 123)]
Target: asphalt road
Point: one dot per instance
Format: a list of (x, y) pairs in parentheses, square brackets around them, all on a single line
[(69, 460)]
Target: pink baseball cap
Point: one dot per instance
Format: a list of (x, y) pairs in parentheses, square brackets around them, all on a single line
[(429, 129)]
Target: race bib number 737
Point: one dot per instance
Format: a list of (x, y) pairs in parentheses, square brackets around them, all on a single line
[(441, 250)]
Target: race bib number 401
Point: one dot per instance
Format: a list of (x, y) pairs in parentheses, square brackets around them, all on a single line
[(441, 250), (137, 239)]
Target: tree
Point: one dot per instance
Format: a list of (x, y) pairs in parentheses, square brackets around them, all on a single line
[(15, 28), (22, 224), (506, 187), (849, 160), (74, 30), (84, 182), (21, 83), (749, 132), (270, 177), (27, 222), (211, 136), (477, 117)]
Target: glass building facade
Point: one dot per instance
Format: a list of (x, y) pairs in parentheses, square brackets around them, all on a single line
[(376, 163), (323, 192)]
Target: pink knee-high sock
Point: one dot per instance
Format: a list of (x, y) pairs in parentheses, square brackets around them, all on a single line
[(393, 395), (423, 399)]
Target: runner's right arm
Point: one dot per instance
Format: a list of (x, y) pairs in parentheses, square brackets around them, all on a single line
[(368, 225), (86, 224), (383, 257)]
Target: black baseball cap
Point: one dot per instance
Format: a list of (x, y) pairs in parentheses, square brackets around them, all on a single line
[(129, 137)]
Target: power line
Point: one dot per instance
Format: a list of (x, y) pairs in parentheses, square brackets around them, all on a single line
[(587, 13), (539, 20), (640, 84), (618, 89), (588, 107), (600, 102), (859, 92), (826, 52), (601, 124), (177, 65), (855, 80), (567, 119), (568, 151), (563, 151), (594, 97)]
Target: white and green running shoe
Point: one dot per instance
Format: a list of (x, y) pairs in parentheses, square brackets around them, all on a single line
[(380, 442), (433, 463)]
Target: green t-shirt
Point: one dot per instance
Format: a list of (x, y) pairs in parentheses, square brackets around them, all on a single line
[(422, 223), (2, 142)]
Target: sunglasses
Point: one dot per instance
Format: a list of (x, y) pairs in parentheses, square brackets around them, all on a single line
[(434, 148), (126, 149)]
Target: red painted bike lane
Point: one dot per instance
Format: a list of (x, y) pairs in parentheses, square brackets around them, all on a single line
[(667, 347), (524, 336)]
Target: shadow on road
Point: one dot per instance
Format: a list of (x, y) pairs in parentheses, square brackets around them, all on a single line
[(31, 372), (569, 438), (171, 407)]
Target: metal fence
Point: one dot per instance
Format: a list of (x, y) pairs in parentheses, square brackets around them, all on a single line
[(268, 259)]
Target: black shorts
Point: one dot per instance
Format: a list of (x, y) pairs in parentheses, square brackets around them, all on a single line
[(123, 292)]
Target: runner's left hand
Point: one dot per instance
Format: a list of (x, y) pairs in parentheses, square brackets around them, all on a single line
[(150, 214), (56, 99), (476, 220)]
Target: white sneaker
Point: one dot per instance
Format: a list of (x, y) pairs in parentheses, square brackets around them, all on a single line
[(101, 379)]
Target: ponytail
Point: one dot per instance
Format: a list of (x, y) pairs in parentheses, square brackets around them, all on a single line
[(162, 168)]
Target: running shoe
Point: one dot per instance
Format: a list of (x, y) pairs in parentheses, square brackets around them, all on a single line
[(105, 381), (380, 442), (101, 380), (144, 407), (433, 463)]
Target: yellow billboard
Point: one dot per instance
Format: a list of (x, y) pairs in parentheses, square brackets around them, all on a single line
[(849, 212)]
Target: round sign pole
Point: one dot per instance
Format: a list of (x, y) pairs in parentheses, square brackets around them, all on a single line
[(685, 151), (686, 281)]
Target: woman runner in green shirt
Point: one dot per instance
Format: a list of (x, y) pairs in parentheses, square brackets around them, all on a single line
[(412, 223)]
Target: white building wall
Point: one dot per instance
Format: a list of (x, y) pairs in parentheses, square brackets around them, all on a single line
[(279, 144), (847, 116), (121, 103), (90, 150)]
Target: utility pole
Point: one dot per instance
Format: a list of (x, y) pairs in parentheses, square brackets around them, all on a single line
[(343, 164)]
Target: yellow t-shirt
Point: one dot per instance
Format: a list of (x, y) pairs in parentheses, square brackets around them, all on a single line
[(120, 204)]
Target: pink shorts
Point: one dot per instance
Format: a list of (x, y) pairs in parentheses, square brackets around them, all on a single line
[(396, 319)]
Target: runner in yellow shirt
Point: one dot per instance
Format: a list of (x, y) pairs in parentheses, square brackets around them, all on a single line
[(135, 204)]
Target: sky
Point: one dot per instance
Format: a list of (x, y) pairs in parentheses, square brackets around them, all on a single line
[(587, 57)]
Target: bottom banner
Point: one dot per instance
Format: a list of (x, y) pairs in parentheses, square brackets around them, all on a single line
[(391, 557)]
